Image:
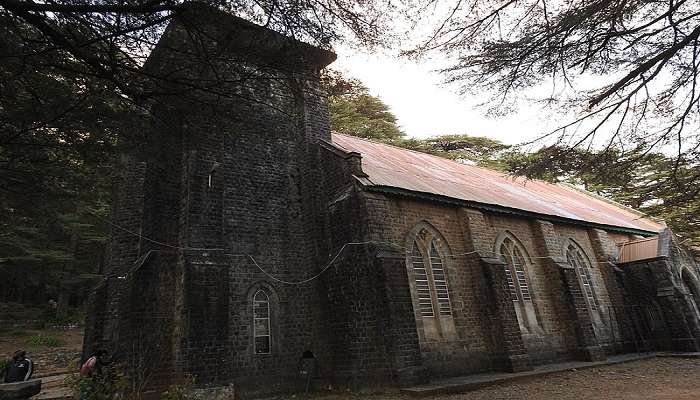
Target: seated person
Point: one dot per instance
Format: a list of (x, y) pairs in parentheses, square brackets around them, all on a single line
[(19, 368)]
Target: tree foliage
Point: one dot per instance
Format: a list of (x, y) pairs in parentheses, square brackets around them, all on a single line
[(649, 187), (55, 142), (356, 112), (110, 40), (465, 148), (627, 70)]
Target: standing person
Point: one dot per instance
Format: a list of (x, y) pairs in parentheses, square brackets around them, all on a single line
[(93, 366), (100, 379), (19, 368)]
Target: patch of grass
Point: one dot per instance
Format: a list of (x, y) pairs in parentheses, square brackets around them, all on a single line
[(43, 340)]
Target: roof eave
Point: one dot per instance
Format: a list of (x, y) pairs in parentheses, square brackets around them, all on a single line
[(395, 191)]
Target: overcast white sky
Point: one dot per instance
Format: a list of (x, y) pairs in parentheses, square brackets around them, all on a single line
[(426, 107)]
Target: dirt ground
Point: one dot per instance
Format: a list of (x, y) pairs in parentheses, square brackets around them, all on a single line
[(653, 379), (50, 358), (657, 379)]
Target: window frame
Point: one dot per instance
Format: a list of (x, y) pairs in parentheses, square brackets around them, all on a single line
[(584, 274), (424, 245), (267, 318), (519, 287), (520, 291), (427, 259)]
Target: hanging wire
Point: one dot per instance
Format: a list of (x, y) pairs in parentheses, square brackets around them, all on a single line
[(271, 276), (303, 281)]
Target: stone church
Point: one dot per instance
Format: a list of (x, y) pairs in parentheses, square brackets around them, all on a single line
[(248, 239)]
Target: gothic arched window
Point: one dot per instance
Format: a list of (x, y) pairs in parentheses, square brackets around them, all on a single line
[(261, 322), (577, 259), (515, 270), (428, 274), (430, 280), (516, 259)]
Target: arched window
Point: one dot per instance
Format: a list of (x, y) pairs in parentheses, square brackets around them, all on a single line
[(429, 286), (515, 271), (261, 322), (515, 256), (577, 259), (429, 273)]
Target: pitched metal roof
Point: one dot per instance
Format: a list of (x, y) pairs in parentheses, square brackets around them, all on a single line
[(407, 172)]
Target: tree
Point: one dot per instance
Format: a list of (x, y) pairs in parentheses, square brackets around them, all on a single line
[(628, 70), (651, 187), (465, 148), (54, 153), (109, 40), (355, 112), (72, 76)]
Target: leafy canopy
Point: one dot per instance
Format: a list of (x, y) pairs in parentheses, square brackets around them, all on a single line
[(356, 112), (625, 70), (57, 132), (650, 186)]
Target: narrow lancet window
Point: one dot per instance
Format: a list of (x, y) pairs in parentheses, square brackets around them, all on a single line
[(516, 267), (261, 322), (428, 270), (515, 271), (425, 303), (579, 261), (442, 294)]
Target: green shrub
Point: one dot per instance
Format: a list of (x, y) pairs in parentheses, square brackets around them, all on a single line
[(181, 392), (3, 366), (52, 341), (43, 340), (175, 392), (109, 385), (80, 385)]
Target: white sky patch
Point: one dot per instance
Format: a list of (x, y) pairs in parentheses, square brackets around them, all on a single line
[(426, 107)]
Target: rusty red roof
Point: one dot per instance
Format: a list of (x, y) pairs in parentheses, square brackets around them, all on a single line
[(388, 166)]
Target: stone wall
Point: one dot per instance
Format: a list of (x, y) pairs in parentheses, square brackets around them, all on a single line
[(371, 322), (480, 343), (229, 187), (664, 292)]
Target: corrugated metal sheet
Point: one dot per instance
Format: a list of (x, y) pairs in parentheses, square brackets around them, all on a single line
[(395, 167)]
